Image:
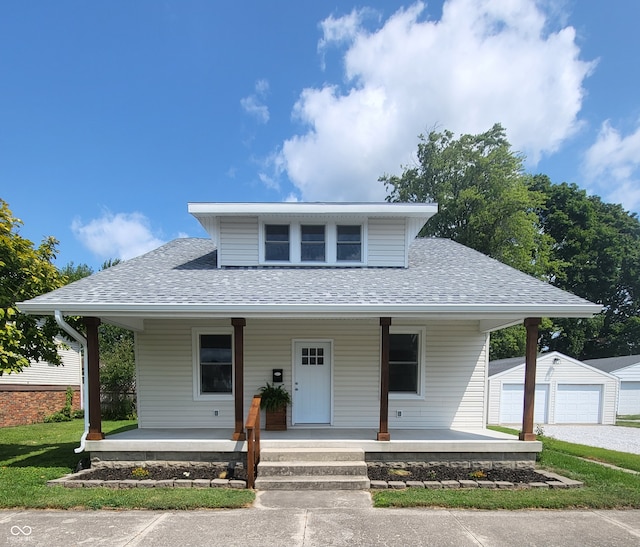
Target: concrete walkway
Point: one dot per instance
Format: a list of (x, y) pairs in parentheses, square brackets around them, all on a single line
[(308, 519)]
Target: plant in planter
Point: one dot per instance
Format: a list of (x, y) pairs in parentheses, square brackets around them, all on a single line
[(274, 399)]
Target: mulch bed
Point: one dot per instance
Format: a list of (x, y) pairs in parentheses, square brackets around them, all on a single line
[(443, 473), (158, 473), (382, 472)]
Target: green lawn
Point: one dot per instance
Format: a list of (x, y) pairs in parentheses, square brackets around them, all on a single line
[(31, 455), (604, 488)]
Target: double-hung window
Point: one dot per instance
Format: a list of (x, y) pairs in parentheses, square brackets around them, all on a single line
[(405, 367), (213, 363), (312, 243), (276, 242), (349, 243)]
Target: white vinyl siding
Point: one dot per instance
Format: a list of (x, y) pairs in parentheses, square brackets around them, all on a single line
[(629, 402), (387, 245), (629, 398), (43, 373), (238, 241), (454, 373), (565, 371)]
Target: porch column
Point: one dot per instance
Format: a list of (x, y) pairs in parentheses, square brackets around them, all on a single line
[(238, 363), (531, 323), (93, 357), (383, 433)]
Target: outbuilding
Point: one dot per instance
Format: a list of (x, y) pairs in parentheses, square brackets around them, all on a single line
[(627, 369), (567, 391)]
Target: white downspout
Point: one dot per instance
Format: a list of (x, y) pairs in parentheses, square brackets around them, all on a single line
[(85, 364)]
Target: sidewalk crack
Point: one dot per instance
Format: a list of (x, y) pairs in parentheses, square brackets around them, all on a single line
[(633, 531), (142, 534)]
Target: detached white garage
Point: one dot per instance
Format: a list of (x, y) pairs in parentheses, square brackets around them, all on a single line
[(627, 369), (567, 392)]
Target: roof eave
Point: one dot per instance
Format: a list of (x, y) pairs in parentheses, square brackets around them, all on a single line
[(505, 311)]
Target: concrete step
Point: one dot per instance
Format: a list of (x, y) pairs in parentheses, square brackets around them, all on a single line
[(327, 482), (311, 468), (311, 454)]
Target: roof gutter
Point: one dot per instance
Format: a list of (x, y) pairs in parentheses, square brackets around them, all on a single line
[(85, 365)]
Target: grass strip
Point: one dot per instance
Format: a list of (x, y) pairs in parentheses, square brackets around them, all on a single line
[(32, 455)]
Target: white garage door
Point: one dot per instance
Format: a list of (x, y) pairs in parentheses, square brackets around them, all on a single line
[(629, 398), (578, 404), (512, 404)]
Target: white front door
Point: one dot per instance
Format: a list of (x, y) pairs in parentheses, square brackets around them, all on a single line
[(312, 382)]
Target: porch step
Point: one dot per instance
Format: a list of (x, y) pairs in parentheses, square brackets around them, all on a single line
[(328, 482), (312, 469), (312, 454)]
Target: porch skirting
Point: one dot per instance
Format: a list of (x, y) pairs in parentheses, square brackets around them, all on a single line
[(483, 448)]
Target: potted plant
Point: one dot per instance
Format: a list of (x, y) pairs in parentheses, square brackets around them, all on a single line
[(274, 399)]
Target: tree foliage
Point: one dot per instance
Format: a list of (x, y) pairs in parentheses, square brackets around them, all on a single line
[(553, 231), (484, 199), (25, 272), (599, 246), (72, 273)]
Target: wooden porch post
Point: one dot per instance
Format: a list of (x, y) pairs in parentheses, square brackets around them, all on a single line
[(383, 433), (531, 323), (93, 357), (238, 363)]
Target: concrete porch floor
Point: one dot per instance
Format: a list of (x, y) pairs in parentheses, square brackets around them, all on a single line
[(402, 441)]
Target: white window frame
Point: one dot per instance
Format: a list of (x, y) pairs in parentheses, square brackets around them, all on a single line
[(331, 242), (196, 332), (421, 332)]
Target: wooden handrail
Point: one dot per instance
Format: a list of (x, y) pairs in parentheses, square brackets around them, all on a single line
[(253, 441)]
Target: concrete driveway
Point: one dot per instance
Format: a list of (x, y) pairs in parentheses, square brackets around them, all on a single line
[(623, 439)]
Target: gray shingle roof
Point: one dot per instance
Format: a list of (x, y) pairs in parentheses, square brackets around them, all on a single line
[(500, 365), (443, 276), (610, 364)]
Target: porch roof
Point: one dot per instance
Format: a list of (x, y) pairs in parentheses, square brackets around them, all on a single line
[(181, 279)]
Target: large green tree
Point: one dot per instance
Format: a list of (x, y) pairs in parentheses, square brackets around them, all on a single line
[(484, 199), (598, 245), (26, 271)]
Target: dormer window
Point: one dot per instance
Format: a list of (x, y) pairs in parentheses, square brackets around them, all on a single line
[(312, 243), (349, 243), (276, 242)]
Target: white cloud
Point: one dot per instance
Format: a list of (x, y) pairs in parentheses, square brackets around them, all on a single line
[(123, 235), (612, 166), (484, 61), (254, 103)]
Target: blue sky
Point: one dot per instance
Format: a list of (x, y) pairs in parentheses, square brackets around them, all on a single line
[(115, 114)]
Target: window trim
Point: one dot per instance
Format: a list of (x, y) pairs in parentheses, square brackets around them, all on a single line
[(331, 242), (196, 332), (421, 332)]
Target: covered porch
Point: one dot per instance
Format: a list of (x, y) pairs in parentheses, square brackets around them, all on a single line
[(208, 444)]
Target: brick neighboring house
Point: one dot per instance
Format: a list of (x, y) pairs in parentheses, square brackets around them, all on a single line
[(39, 390)]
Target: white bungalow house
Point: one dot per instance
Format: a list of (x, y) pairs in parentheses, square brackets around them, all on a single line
[(627, 369), (381, 338), (29, 396), (568, 391)]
